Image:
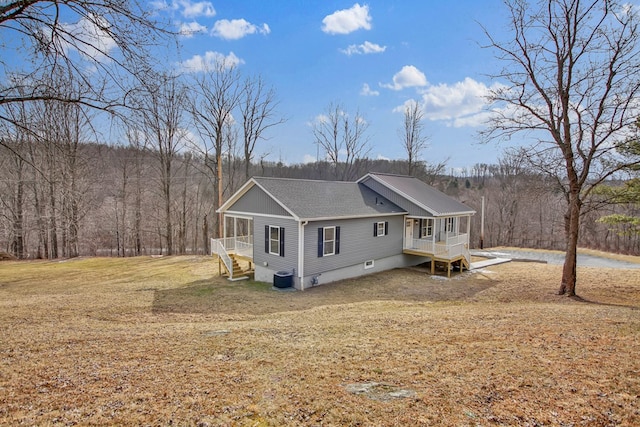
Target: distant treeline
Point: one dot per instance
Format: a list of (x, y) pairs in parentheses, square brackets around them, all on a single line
[(93, 199)]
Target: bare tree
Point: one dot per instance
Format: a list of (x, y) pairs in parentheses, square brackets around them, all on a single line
[(15, 178), (411, 134), (343, 139), (217, 95), (162, 105), (570, 80), (103, 43), (258, 108)]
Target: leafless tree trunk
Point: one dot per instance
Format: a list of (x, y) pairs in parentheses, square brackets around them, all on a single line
[(218, 94), (570, 81), (13, 198), (162, 106), (258, 108), (13, 183), (182, 233), (343, 139), (137, 150), (411, 134)]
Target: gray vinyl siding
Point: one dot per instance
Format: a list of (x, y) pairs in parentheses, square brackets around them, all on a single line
[(257, 201), (405, 204), (357, 243), (276, 262)]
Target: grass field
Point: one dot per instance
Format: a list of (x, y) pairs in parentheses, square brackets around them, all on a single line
[(164, 341)]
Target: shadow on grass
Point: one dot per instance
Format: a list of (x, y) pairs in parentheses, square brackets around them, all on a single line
[(578, 298), (219, 296)]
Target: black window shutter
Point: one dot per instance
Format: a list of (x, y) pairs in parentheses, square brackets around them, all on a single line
[(420, 229), (320, 242), (337, 245), (375, 229), (386, 228), (266, 238), (281, 241)]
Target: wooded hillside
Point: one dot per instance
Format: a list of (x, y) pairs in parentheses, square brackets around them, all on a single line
[(63, 200)]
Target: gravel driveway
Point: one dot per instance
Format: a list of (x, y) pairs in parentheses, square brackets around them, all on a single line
[(555, 258)]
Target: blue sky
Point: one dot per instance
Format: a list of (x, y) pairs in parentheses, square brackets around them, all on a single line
[(371, 56)]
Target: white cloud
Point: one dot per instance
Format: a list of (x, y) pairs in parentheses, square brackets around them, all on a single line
[(407, 104), (363, 49), (195, 9), (186, 8), (366, 91), (209, 61), (408, 76), (448, 102), (308, 158), (346, 21), (381, 157), (189, 29), (320, 119), (236, 29), (462, 104), (89, 39)]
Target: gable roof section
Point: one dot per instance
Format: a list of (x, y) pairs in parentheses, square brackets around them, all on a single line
[(316, 200), (256, 201), (421, 194)]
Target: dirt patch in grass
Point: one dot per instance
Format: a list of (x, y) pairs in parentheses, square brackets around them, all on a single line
[(255, 298), (164, 341)]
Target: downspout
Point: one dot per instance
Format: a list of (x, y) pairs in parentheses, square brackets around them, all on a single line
[(301, 225)]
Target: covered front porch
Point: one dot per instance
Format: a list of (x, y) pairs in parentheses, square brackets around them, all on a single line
[(444, 239), (235, 247)]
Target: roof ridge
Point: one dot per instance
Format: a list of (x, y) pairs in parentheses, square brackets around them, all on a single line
[(392, 174), (304, 179)]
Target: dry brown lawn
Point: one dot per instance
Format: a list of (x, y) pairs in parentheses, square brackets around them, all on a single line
[(164, 341)]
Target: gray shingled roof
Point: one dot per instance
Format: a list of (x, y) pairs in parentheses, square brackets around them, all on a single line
[(422, 194), (309, 199)]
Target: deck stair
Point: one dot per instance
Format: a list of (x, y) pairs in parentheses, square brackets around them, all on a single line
[(230, 260), (235, 271)]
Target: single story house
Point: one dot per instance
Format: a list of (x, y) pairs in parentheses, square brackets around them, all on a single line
[(323, 231)]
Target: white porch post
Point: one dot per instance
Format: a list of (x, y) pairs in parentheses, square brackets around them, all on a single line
[(435, 232), (224, 226), (235, 232)]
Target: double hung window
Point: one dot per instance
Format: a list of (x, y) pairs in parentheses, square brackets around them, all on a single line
[(328, 241), (426, 229), (274, 240), (380, 228)]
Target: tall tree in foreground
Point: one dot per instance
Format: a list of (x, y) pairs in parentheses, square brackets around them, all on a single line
[(570, 80), (411, 134)]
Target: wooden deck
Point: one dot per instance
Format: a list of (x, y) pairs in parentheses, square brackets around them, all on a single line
[(448, 262)]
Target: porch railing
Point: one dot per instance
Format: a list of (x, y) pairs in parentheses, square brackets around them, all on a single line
[(217, 248), (454, 247), (241, 245)]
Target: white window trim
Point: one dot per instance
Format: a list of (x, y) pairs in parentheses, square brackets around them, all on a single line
[(274, 240), (427, 228), (324, 241), (379, 225), (450, 224)]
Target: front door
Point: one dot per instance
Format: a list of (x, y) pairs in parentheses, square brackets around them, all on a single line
[(408, 235)]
